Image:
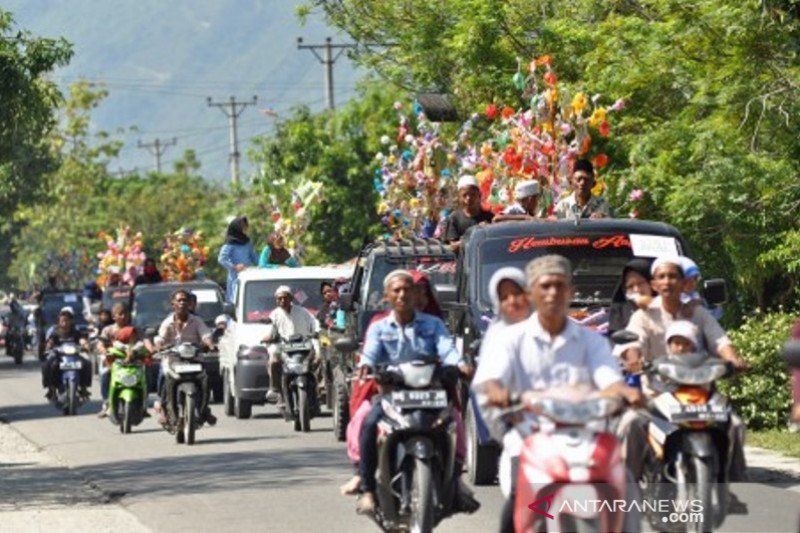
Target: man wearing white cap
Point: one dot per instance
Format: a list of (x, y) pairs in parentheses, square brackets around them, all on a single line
[(286, 320), (526, 206), (650, 324), (468, 214)]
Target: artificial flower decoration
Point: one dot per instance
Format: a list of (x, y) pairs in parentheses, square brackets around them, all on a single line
[(124, 254), (416, 177), (183, 255)]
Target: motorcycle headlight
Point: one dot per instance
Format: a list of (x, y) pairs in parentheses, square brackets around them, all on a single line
[(129, 380), (186, 351), (687, 375), (417, 375), (579, 413), (69, 349)]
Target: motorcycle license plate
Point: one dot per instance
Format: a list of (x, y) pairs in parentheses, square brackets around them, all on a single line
[(702, 412), (420, 399), (71, 365), (187, 368)]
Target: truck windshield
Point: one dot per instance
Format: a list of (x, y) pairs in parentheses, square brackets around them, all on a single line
[(440, 269), (259, 296), (152, 306), (597, 262)]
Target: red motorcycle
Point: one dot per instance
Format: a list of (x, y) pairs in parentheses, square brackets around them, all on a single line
[(571, 474)]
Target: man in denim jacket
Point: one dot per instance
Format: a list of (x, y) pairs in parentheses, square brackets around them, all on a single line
[(396, 338)]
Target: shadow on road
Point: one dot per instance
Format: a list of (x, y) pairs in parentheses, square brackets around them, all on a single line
[(215, 472), (38, 411)]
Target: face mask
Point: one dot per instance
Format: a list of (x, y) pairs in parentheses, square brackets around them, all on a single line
[(632, 296)]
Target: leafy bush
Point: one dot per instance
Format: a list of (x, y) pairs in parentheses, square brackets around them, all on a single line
[(762, 396)]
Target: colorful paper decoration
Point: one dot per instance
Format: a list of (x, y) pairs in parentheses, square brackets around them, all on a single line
[(183, 255), (124, 255)]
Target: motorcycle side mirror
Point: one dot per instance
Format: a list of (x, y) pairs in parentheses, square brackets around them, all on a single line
[(715, 291), (346, 301), (624, 336), (229, 309), (345, 345), (791, 352)]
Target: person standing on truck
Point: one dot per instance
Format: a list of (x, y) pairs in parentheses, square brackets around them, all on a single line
[(526, 204), (236, 254), (470, 212), (582, 203)]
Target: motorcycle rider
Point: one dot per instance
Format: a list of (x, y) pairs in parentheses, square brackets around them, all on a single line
[(401, 335), (179, 327), (285, 320), (651, 325), (545, 351), (64, 331), (122, 318)]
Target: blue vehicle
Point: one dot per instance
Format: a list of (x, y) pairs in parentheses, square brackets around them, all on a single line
[(68, 395)]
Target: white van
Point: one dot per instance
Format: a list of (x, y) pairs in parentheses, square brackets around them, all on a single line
[(243, 359)]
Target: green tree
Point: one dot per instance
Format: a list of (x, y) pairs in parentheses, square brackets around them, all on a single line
[(712, 90), (27, 110), (336, 150)]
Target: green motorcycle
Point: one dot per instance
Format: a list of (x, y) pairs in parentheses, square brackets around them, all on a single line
[(127, 393)]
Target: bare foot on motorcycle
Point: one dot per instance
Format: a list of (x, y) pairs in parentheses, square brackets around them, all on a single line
[(366, 503), (351, 487)]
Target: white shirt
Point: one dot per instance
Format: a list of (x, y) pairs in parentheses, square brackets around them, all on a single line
[(297, 321), (524, 358)]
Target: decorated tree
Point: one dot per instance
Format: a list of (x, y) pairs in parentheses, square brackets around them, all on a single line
[(184, 255), (124, 255)]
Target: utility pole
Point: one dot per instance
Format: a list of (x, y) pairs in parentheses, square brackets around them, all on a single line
[(327, 59), (158, 148), (232, 110)]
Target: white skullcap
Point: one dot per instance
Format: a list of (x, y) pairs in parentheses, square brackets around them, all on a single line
[(283, 289), (666, 260), (526, 189), (689, 267), (399, 273), (221, 319), (67, 309), (467, 181), (510, 273), (683, 328)]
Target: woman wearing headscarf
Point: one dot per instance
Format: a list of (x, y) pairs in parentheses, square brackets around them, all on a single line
[(150, 274), (275, 253), (426, 301), (236, 254), (507, 291), (633, 292)]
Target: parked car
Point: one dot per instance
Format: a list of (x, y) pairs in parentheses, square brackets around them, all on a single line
[(365, 300), (151, 305), (598, 250), (243, 358)]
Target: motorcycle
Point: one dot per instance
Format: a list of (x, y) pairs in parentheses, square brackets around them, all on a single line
[(298, 381), (127, 392), (186, 385), (689, 448), (15, 342), (417, 482), (68, 394), (569, 454)]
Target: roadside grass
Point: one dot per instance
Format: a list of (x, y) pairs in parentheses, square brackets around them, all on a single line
[(777, 440)]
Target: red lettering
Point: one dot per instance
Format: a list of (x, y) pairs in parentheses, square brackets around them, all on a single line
[(615, 241), (532, 242)]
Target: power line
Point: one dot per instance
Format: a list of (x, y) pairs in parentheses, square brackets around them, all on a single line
[(232, 109), (327, 59), (158, 148)]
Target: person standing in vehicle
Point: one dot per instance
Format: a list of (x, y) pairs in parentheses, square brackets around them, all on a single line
[(426, 301), (330, 304), (402, 335), (582, 203), (150, 273), (236, 254), (286, 320), (526, 205), (179, 327), (470, 212), (545, 351), (275, 253)]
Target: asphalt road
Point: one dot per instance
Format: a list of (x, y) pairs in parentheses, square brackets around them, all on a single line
[(255, 474)]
